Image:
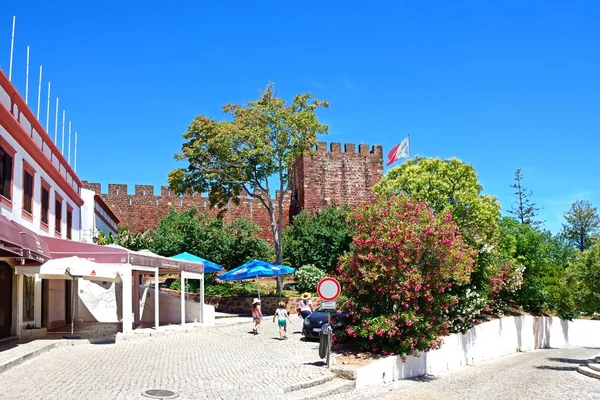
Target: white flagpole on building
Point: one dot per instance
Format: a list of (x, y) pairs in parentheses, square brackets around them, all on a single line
[(75, 155), (27, 77), (12, 48), (56, 125), (62, 144), (48, 111), (37, 115), (69, 146)]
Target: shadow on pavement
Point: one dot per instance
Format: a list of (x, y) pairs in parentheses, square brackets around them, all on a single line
[(549, 367), (568, 360)]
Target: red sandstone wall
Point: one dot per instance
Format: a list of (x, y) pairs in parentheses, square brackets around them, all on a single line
[(143, 209), (327, 177), (336, 177)]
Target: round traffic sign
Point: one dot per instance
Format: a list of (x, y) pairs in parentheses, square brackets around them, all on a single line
[(328, 289)]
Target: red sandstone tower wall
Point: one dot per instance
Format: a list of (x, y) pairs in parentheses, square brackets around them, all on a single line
[(325, 178)]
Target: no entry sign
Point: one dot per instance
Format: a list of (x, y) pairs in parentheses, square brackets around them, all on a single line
[(328, 289)]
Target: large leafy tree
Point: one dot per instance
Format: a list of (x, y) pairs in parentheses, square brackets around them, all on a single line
[(452, 186), (524, 209), (226, 244), (137, 241), (582, 224), (447, 185), (250, 153), (584, 280), (318, 239)]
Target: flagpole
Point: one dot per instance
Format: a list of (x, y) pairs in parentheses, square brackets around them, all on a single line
[(62, 142), (69, 146), (75, 155), (27, 77), (37, 115), (48, 111), (56, 125), (12, 48)]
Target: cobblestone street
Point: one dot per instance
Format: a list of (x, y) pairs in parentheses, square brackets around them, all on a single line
[(216, 363), (543, 374), (228, 362)]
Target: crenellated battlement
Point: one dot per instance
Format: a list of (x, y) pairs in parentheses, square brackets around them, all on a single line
[(329, 176), (349, 148)]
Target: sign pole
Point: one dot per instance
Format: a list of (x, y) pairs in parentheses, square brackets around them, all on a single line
[(329, 290)]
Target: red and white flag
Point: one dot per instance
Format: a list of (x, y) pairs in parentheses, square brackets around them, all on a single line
[(399, 151)]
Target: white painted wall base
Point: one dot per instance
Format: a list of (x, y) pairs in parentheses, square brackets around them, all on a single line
[(170, 308), (484, 342)]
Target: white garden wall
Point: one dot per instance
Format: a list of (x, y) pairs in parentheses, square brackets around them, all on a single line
[(170, 308), (484, 342)]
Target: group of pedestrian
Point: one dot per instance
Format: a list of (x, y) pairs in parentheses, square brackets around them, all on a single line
[(281, 314)]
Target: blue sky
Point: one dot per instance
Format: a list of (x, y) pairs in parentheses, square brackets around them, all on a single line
[(501, 85)]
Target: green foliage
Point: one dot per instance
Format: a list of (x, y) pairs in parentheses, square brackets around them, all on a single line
[(524, 210), (256, 145), (404, 262), (582, 224), (543, 258), (318, 239), (307, 277), (124, 238), (229, 245), (584, 280), (191, 285), (238, 289), (447, 185)]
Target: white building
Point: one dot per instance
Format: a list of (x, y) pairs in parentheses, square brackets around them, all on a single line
[(39, 191), (96, 217)]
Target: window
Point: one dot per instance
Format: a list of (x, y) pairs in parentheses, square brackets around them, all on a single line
[(57, 215), (45, 204), (6, 166), (27, 192), (69, 222)]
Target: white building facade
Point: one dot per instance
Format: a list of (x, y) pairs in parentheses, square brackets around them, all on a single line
[(40, 191), (96, 217)]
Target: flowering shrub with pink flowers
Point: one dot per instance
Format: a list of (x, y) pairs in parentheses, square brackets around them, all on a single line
[(399, 274)]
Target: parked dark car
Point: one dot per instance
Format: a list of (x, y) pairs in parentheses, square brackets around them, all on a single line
[(291, 286), (313, 323)]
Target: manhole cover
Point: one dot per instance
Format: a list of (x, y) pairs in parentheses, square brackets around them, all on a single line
[(159, 394)]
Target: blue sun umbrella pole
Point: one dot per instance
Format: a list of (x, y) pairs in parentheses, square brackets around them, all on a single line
[(256, 269)]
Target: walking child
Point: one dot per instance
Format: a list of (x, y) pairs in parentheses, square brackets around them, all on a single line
[(256, 315), (282, 316)]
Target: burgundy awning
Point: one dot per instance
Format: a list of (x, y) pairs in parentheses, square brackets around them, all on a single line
[(60, 248), (33, 248), (10, 239)]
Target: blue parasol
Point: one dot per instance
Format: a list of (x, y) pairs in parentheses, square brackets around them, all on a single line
[(256, 269), (209, 266)]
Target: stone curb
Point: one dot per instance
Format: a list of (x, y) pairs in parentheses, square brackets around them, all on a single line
[(172, 332), (305, 385)]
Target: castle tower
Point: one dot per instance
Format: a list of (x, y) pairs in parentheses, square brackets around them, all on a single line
[(334, 176)]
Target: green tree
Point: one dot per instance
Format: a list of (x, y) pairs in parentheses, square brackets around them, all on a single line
[(447, 185), (318, 239), (229, 245), (452, 186), (584, 276), (582, 224), (524, 210), (247, 153)]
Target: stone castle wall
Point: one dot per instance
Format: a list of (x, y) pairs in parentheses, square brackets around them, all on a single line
[(327, 177)]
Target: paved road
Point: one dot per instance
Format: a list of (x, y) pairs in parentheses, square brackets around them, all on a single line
[(218, 363), (543, 374)]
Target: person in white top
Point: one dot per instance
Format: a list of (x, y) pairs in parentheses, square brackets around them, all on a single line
[(305, 306), (282, 317)]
